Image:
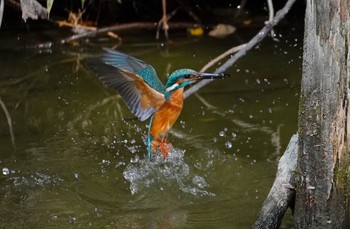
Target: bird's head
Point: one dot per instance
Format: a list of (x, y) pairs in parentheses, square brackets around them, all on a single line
[(183, 77)]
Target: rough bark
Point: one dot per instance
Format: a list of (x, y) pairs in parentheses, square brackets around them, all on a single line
[(282, 193), (324, 116)]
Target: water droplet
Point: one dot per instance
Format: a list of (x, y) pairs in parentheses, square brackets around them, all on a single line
[(183, 124), (5, 171), (119, 164), (222, 133), (228, 145), (107, 162), (72, 219)]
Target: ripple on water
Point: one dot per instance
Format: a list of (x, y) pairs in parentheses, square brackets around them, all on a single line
[(160, 174)]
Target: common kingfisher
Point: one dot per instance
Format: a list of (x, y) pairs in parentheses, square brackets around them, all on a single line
[(145, 95)]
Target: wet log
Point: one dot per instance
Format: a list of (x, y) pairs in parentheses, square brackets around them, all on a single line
[(282, 193), (324, 117)]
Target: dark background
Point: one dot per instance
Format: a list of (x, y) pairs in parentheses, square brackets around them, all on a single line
[(107, 12)]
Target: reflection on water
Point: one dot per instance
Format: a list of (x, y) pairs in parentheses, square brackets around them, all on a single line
[(79, 156)]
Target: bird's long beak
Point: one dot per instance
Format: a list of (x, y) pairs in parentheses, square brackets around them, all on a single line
[(202, 76)]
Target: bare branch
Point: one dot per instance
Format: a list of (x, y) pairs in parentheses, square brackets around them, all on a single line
[(165, 20), (271, 14), (254, 41), (222, 56)]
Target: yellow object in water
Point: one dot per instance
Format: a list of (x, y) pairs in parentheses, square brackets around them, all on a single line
[(196, 31)]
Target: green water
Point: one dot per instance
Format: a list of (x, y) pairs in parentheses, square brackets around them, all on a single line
[(78, 156)]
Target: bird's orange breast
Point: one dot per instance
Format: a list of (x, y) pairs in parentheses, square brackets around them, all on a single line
[(167, 114)]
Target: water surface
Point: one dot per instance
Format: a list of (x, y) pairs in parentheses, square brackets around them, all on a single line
[(77, 159)]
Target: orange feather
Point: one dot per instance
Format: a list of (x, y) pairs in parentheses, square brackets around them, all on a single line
[(164, 118)]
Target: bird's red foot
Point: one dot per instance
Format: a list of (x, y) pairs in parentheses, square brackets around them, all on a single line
[(165, 148)]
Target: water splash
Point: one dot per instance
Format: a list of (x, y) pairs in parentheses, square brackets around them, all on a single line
[(148, 176)]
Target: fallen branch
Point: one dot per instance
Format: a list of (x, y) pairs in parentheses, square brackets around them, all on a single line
[(252, 43), (127, 26), (282, 193)]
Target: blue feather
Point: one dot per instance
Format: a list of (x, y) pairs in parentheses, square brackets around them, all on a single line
[(133, 65)]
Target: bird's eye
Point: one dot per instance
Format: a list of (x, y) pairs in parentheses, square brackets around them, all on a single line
[(187, 76)]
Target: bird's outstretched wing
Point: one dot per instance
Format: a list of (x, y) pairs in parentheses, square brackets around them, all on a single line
[(131, 64), (140, 97)]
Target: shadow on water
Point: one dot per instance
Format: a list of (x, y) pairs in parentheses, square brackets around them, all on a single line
[(79, 159)]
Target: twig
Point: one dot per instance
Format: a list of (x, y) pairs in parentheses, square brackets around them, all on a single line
[(222, 56), (271, 14), (207, 104), (240, 8), (165, 20), (254, 41), (9, 122), (214, 61)]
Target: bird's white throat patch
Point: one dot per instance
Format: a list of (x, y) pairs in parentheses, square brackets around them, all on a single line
[(172, 87)]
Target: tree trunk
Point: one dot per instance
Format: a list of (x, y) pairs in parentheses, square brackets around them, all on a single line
[(323, 162)]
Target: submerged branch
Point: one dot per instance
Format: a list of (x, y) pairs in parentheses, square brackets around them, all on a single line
[(9, 121), (248, 46)]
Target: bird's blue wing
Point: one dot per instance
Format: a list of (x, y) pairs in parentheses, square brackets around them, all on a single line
[(138, 96), (131, 64)]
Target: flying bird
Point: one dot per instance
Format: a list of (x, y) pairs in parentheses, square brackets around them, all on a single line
[(145, 95)]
